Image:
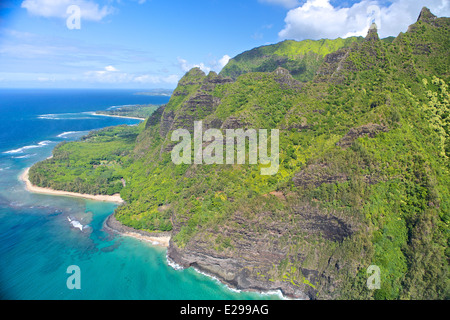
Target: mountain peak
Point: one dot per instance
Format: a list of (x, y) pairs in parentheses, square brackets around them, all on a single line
[(426, 15), (373, 32)]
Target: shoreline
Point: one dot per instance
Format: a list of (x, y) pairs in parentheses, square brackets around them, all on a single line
[(161, 239), (114, 116), (35, 189)]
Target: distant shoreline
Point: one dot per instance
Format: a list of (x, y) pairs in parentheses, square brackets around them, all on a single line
[(114, 116), (35, 189)]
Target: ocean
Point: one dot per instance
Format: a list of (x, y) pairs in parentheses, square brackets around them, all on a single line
[(39, 238)]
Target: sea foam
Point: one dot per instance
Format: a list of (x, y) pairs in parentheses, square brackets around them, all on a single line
[(22, 149), (76, 224), (67, 133), (66, 116)]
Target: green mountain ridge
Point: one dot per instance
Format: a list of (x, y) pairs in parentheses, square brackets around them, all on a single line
[(301, 58), (363, 179)]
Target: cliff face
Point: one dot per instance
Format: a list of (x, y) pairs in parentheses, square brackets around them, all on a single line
[(360, 174)]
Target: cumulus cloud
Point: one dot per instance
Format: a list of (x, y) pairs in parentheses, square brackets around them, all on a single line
[(317, 19), (110, 68), (224, 60), (185, 66), (58, 9), (213, 65)]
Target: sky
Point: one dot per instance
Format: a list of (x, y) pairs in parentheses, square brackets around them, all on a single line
[(149, 44)]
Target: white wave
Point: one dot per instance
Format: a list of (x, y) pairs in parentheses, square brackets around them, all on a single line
[(66, 116), (263, 293), (117, 107), (22, 149), (173, 264), (64, 134), (25, 156), (76, 224), (177, 267), (47, 116)]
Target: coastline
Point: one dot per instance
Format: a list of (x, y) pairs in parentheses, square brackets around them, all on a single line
[(161, 239), (35, 189), (158, 239), (114, 116)]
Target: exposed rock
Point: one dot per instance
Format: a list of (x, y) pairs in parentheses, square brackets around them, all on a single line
[(155, 118), (426, 16), (212, 124), (284, 77), (234, 271), (332, 65), (317, 174), (166, 122), (372, 35), (194, 109), (212, 80), (257, 251), (232, 123), (370, 130)]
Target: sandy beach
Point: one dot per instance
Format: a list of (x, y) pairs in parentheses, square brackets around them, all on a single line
[(157, 239), (32, 188)]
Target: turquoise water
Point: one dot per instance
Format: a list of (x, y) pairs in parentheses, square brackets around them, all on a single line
[(37, 241)]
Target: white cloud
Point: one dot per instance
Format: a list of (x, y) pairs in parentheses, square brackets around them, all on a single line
[(110, 68), (58, 9), (285, 3), (213, 65), (111, 75), (318, 19), (173, 79), (154, 79), (185, 66), (224, 60), (46, 79)]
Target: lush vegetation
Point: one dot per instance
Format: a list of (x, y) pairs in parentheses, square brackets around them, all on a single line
[(136, 111), (93, 165), (364, 167), (302, 59)]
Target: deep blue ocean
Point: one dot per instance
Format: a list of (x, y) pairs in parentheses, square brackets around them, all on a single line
[(38, 242)]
